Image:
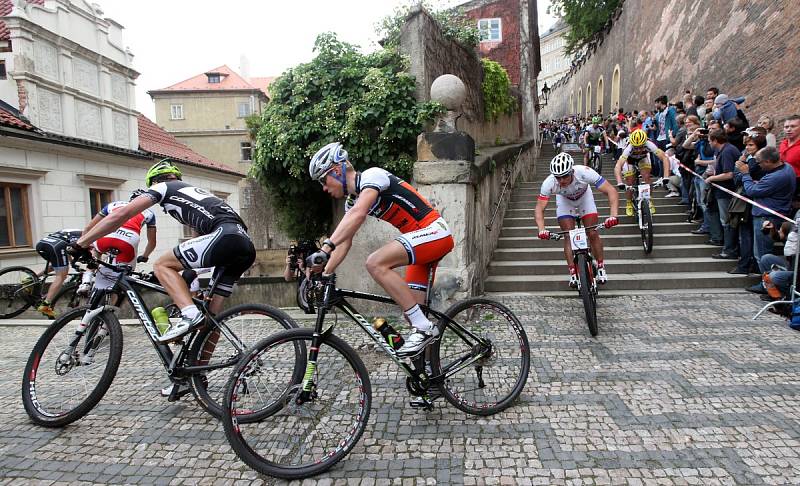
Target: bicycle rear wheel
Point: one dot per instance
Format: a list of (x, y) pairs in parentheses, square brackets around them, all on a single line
[(61, 383), (20, 288), (489, 331), (646, 226), (289, 440), (585, 284), (250, 323), (67, 299)]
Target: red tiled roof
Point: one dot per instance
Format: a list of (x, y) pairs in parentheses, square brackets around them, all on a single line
[(263, 83), (10, 120), (158, 141), (229, 80), (5, 8)]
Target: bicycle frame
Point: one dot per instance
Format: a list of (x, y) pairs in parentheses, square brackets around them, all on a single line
[(335, 297), (171, 361), (586, 251)]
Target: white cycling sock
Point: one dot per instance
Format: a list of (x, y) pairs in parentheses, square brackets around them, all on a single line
[(190, 311), (87, 277), (417, 318)]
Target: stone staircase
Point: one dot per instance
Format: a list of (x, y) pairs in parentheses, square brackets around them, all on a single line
[(680, 260)]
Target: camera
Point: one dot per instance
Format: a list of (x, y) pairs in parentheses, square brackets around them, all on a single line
[(300, 251)]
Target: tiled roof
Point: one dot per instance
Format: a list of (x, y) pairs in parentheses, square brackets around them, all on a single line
[(263, 83), (229, 80), (159, 142), (5, 8), (9, 119)]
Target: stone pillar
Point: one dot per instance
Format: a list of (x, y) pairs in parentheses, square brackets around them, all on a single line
[(444, 174)]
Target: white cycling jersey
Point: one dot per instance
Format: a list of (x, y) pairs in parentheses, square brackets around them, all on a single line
[(582, 178)]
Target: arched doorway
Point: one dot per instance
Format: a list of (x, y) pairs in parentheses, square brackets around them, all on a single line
[(580, 102), (600, 107), (615, 88), (572, 102), (589, 99)]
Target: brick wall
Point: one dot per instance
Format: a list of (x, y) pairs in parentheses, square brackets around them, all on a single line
[(745, 48), (505, 52)]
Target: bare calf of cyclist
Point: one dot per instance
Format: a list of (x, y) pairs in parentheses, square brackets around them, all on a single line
[(638, 151), (223, 242), (572, 187), (592, 137), (124, 242), (53, 248), (425, 237)]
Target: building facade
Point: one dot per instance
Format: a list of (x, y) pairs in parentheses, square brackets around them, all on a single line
[(208, 112), (70, 138), (555, 62)]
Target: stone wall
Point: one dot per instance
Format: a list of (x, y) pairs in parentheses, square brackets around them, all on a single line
[(745, 48)]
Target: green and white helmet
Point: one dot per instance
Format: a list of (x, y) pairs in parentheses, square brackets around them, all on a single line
[(163, 167)]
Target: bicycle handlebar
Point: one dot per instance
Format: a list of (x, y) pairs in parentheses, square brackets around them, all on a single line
[(560, 235)]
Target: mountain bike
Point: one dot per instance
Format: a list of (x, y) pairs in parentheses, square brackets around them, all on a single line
[(21, 288), (595, 158), (644, 216), (587, 269), (74, 362), (294, 428)]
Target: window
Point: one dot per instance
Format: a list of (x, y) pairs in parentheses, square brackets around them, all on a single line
[(490, 30), (213, 78), (246, 150), (176, 112), (2, 70), (98, 198), (244, 109), (15, 227)]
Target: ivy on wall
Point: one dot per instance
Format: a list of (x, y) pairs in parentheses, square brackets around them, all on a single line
[(496, 87)]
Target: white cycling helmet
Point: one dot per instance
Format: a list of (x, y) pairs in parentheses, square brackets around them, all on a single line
[(561, 164), (325, 159)]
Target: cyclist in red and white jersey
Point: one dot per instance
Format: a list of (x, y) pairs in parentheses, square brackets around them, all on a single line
[(425, 237), (124, 241), (572, 186)]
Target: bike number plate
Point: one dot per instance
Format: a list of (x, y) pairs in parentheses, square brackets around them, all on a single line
[(597, 149), (578, 240), (644, 191)]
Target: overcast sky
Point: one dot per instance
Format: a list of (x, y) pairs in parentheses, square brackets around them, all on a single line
[(173, 40)]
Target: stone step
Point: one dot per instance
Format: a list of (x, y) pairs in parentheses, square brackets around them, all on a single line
[(600, 202), (550, 210), (620, 281), (628, 229), (550, 220), (555, 251), (633, 264), (609, 239), (606, 293)]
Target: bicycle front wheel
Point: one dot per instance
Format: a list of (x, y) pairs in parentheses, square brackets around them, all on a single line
[(646, 226), (585, 284), (250, 323), (483, 355), (596, 162), (62, 383), (20, 288), (287, 439)]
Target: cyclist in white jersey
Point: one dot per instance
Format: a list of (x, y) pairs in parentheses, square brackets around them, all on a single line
[(638, 150), (572, 186)]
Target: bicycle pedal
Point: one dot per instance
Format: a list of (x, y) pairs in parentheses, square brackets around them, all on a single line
[(178, 390), (422, 404)]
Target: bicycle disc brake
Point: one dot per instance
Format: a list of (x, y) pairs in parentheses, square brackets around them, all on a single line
[(66, 361)]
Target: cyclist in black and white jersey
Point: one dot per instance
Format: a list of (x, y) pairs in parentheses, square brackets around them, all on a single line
[(53, 248), (223, 242)]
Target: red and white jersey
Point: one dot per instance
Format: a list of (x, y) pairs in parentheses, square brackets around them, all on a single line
[(582, 178), (146, 217)]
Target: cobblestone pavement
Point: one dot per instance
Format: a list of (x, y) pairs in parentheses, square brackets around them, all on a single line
[(677, 389)]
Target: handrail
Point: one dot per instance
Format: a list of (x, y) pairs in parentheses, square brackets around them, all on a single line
[(508, 172)]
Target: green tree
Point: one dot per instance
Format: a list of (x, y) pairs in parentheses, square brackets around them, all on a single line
[(496, 87), (365, 102), (454, 24), (584, 17)]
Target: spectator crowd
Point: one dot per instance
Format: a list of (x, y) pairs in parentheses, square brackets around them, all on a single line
[(712, 145)]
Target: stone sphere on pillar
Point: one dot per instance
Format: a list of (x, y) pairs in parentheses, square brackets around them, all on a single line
[(449, 90)]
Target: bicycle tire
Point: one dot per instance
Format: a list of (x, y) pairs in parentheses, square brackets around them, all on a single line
[(349, 380), (208, 388), (451, 343), (35, 387), (596, 162), (16, 296), (67, 299), (585, 282), (647, 226)]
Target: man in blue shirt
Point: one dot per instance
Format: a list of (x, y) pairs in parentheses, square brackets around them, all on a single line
[(774, 190), (726, 155)]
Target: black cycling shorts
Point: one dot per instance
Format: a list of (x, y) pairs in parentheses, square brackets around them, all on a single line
[(228, 249), (54, 250)]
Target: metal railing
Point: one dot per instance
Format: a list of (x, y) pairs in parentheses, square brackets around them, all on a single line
[(508, 172)]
